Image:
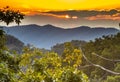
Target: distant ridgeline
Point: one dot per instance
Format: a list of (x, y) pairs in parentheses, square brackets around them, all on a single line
[(46, 36)]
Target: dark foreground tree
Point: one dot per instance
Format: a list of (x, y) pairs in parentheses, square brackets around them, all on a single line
[(8, 16)]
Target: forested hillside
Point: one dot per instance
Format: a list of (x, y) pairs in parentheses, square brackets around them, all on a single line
[(104, 52), (14, 44), (59, 48), (95, 61)]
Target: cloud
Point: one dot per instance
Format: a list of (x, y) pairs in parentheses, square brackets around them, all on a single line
[(113, 14), (38, 13), (81, 14), (104, 17), (73, 18), (86, 13)]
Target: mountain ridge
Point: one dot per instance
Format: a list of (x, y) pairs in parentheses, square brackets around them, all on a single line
[(48, 35), (50, 25)]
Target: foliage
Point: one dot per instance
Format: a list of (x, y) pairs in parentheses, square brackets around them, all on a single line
[(59, 48), (107, 47), (8, 66), (2, 39), (14, 44), (50, 67), (9, 62), (104, 52), (34, 66), (8, 16), (113, 79)]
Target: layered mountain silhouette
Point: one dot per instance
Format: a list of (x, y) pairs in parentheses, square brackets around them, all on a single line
[(46, 36)]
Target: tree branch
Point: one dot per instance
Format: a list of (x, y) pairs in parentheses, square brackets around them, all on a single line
[(83, 67), (96, 65), (106, 58)]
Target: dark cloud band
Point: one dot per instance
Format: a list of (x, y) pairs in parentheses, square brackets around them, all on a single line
[(85, 13)]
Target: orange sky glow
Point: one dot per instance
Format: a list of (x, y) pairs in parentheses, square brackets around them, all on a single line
[(67, 13), (30, 6)]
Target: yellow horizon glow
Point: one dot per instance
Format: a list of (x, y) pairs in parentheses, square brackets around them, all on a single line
[(58, 5)]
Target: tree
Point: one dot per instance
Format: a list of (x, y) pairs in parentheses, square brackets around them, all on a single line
[(104, 54), (8, 16), (8, 61), (2, 39), (50, 67)]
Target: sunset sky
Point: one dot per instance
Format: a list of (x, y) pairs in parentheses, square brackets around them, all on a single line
[(68, 13)]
